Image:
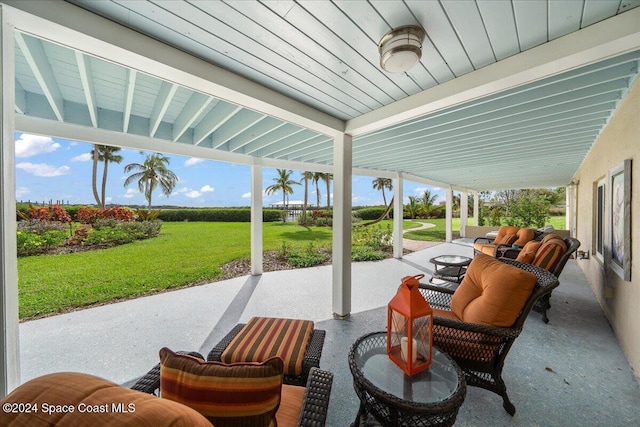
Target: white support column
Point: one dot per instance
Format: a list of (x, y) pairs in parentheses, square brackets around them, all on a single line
[(449, 216), (464, 212), (398, 209), (9, 323), (476, 209), (256, 219), (342, 152)]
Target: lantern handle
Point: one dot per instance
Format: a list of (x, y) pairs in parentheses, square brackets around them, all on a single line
[(412, 281)]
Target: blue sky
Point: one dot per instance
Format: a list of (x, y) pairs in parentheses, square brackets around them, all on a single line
[(59, 169)]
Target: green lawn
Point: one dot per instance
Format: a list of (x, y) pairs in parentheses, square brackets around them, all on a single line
[(184, 254)]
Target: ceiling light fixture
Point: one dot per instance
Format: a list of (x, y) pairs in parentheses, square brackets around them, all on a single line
[(401, 48)]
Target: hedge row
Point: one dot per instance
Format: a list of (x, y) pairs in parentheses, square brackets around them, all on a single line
[(217, 215)]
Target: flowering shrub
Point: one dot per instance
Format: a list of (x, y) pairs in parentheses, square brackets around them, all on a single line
[(91, 215), (108, 236), (55, 213), (40, 226), (32, 243)]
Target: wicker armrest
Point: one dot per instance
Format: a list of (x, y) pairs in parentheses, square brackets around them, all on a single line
[(150, 382), (215, 354), (510, 253), (436, 296), (496, 331), (316, 398), (483, 240)]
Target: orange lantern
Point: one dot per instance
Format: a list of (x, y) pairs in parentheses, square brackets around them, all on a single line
[(410, 328)]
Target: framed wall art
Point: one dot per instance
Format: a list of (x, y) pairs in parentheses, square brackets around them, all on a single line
[(620, 219)]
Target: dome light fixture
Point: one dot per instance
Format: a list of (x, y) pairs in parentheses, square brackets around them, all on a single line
[(401, 48)]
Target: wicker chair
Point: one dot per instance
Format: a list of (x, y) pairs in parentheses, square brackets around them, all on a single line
[(489, 246), (480, 350), (544, 303), (314, 405)]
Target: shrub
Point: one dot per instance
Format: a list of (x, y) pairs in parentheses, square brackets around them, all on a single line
[(91, 215), (308, 257), (40, 226), (218, 214), (370, 214), (31, 243), (373, 236), (108, 236), (365, 253), (142, 230)]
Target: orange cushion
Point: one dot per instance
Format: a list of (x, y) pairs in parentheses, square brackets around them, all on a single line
[(81, 390), (528, 252), (549, 254), (290, 406), (265, 337), (508, 239), (445, 313), (503, 231), (492, 292), (524, 235), (485, 249), (239, 394)]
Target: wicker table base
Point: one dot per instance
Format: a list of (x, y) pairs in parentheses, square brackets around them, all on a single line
[(390, 398)]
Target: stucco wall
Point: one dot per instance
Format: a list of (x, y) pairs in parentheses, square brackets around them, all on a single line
[(620, 300)]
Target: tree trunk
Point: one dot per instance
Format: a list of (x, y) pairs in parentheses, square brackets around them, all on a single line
[(104, 184), (328, 191), (94, 173), (306, 199)]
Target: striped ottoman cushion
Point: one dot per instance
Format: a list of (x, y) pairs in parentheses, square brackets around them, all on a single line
[(265, 337)]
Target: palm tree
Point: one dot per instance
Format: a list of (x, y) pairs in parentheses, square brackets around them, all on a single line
[(413, 206), (284, 183), (151, 174), (105, 154), (306, 176), (327, 177), (381, 184), (428, 201), (317, 176)]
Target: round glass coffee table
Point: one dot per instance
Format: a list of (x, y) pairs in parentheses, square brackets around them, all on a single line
[(429, 398), (451, 268)]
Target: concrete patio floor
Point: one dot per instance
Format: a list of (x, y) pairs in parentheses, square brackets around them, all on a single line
[(571, 372)]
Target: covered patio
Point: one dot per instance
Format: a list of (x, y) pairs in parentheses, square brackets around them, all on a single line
[(507, 95), (571, 371)]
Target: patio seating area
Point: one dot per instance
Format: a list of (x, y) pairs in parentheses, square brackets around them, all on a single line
[(571, 371)]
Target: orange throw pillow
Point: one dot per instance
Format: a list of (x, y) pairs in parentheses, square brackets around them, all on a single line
[(508, 239), (238, 394), (492, 292), (528, 252), (549, 254)]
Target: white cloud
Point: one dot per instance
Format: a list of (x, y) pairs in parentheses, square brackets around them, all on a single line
[(43, 169), (31, 145), (193, 194), (207, 189), (84, 157), (131, 193), (22, 191), (246, 195), (192, 161)]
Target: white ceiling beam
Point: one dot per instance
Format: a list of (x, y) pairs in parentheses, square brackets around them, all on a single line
[(128, 98), (216, 117), (240, 122), (266, 126), (37, 59), (614, 36), (21, 99), (258, 146), (72, 26), (190, 113), (86, 78), (163, 100), (38, 126)]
